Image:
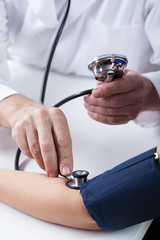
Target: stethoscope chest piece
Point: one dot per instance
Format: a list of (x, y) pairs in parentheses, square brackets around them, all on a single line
[(77, 179), (104, 65)]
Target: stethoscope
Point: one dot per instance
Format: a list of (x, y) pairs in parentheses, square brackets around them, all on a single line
[(105, 68)]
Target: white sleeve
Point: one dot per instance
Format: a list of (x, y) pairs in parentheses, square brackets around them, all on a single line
[(5, 90), (152, 29)]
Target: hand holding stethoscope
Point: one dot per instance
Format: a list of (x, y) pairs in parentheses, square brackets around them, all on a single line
[(121, 100)]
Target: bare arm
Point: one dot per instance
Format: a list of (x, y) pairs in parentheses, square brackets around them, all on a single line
[(45, 198)]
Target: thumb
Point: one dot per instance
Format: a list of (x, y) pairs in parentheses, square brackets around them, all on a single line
[(105, 89)]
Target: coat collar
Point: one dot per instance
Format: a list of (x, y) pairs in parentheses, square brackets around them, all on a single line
[(77, 8), (47, 10)]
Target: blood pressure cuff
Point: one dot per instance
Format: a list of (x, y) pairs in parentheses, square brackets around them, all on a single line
[(125, 195)]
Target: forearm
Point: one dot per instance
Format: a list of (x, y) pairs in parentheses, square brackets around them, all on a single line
[(44, 198)]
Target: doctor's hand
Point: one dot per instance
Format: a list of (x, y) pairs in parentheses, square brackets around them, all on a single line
[(121, 100), (40, 132)]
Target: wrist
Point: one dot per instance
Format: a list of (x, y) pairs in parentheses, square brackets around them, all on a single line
[(152, 100), (11, 107)]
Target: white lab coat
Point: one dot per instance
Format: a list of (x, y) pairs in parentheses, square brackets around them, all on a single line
[(94, 27)]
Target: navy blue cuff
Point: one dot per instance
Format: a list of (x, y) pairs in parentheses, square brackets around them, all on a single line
[(125, 195)]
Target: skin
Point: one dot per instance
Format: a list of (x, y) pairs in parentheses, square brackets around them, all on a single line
[(40, 132), (121, 100), (45, 198), (158, 151)]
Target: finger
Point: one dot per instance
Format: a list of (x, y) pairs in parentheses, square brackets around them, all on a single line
[(118, 100), (99, 83), (44, 129), (33, 143), (120, 85), (111, 120), (19, 135), (63, 142), (131, 111)]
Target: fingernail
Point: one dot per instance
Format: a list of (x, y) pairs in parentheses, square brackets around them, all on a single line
[(86, 105), (51, 175), (85, 99), (90, 113), (96, 92), (66, 171)]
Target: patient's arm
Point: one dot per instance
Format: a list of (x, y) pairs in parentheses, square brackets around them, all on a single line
[(130, 188), (44, 198)]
